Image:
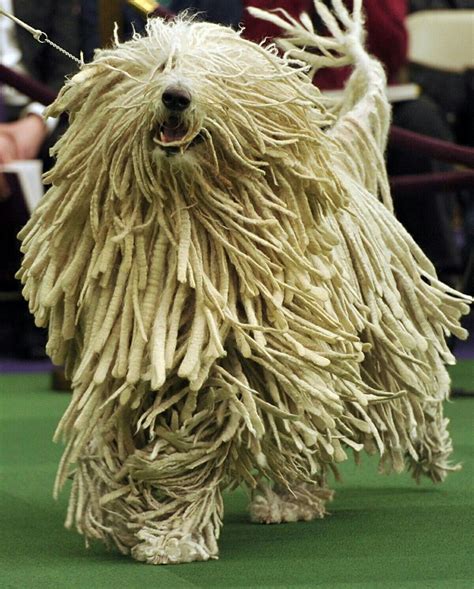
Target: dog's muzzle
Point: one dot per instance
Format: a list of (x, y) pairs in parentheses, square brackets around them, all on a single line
[(175, 134)]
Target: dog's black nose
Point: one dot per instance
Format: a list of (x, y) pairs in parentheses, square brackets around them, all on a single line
[(176, 98)]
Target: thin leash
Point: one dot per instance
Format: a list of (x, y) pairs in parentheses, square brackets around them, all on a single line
[(41, 37)]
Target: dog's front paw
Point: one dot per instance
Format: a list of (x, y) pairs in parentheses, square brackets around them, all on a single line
[(172, 547)]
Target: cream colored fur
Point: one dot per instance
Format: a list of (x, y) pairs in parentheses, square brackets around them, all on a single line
[(243, 312)]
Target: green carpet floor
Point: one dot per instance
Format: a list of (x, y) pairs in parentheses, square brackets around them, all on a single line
[(383, 532)]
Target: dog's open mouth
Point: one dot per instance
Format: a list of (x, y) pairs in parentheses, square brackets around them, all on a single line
[(175, 136)]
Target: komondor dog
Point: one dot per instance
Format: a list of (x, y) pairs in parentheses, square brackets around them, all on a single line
[(223, 277)]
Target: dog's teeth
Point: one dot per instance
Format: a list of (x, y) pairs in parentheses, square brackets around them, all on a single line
[(162, 136)]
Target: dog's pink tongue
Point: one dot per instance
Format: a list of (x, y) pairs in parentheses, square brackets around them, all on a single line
[(173, 133)]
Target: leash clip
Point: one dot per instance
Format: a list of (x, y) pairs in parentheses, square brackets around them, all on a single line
[(41, 36)]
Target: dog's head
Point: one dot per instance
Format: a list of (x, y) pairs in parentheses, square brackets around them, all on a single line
[(191, 92)]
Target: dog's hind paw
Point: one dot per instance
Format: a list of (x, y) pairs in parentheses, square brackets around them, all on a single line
[(172, 547), (432, 451), (306, 503)]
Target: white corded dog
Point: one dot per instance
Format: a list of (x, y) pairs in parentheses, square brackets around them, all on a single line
[(222, 275)]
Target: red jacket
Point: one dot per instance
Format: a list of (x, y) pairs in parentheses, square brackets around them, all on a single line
[(386, 33)]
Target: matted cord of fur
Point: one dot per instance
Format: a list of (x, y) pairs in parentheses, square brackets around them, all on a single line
[(222, 275)]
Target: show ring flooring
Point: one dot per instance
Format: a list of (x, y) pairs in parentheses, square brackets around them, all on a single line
[(384, 531)]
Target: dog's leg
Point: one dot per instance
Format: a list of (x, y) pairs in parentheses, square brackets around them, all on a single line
[(303, 503), (144, 506), (179, 515), (433, 446), (423, 448), (412, 431), (190, 532)]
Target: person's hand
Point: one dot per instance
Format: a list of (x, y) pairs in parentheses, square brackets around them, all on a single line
[(22, 139), (8, 146), (8, 152)]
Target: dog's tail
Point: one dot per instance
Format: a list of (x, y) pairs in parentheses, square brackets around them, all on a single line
[(362, 112)]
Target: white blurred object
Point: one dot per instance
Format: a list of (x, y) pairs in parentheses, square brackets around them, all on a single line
[(395, 92), (442, 39), (29, 174)]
